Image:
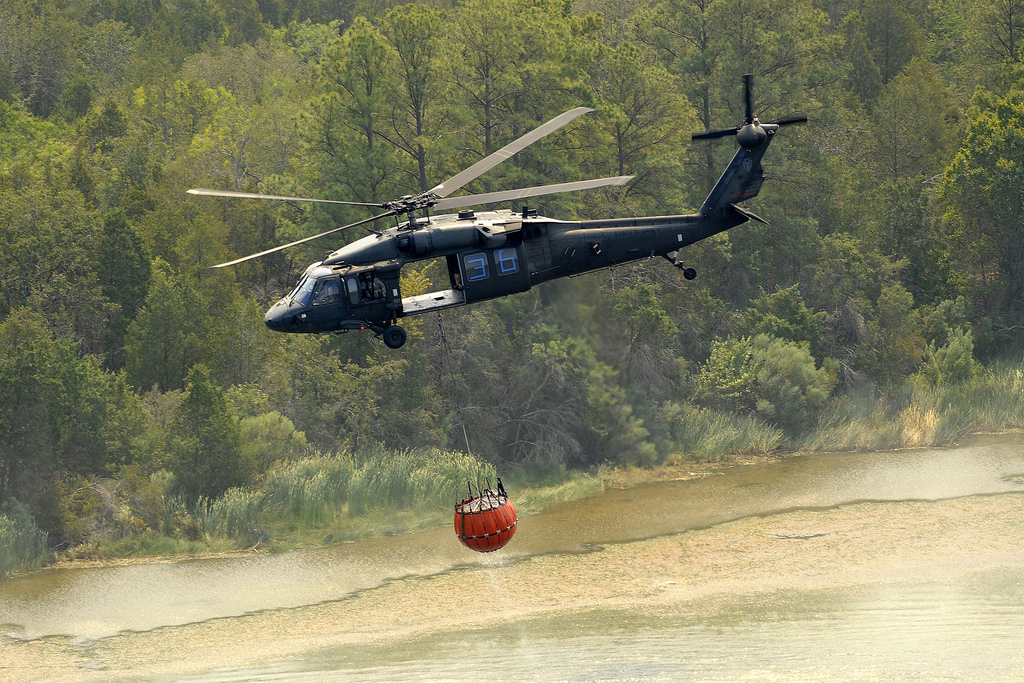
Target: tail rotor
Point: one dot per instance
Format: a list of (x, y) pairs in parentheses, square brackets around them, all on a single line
[(752, 132)]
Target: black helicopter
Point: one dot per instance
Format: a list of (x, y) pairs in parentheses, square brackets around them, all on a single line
[(492, 254)]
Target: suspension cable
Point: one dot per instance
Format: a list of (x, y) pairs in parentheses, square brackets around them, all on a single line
[(447, 350)]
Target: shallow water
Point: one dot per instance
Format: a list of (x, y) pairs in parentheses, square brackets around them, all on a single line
[(822, 567), (962, 631)]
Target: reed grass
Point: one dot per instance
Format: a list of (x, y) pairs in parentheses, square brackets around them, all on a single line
[(315, 489), (707, 435), (310, 490), (237, 515), (150, 543), (922, 415), (22, 544)]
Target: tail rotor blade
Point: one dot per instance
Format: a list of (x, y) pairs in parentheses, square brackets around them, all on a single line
[(748, 87), (791, 119), (714, 134)]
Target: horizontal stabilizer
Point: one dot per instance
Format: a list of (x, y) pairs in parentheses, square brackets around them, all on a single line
[(747, 214)]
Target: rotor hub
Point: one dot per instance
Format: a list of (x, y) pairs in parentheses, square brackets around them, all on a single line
[(751, 135), (412, 202)]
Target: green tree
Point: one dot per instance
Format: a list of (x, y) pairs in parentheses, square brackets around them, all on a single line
[(513, 64), (243, 21), (421, 114), (984, 207), (1002, 30), (29, 406), (709, 44), (123, 268), (46, 246), (8, 88), (60, 414), (783, 314), (726, 380), (951, 363), (644, 124), (893, 346), (863, 76), (107, 57), (774, 378), (267, 438), (191, 23), (40, 42), (791, 390), (108, 122), (205, 439), (895, 33), (908, 155), (343, 126), (162, 341), (76, 98)]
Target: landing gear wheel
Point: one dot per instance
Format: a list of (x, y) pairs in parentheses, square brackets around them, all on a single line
[(394, 336), (689, 273)]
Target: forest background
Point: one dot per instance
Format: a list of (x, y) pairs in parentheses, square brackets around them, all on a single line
[(144, 407)]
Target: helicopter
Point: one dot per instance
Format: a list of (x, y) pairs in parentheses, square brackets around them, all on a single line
[(495, 253)]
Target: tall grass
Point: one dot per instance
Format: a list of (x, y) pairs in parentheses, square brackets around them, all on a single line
[(310, 490), (422, 477), (349, 495), (315, 489), (916, 414), (236, 515), (922, 415), (22, 544), (702, 434)]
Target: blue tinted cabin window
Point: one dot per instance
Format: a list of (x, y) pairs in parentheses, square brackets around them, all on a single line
[(475, 266), (507, 261)]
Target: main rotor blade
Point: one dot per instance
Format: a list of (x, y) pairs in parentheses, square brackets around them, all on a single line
[(492, 160), (522, 193), (247, 195), (714, 134), (305, 239)]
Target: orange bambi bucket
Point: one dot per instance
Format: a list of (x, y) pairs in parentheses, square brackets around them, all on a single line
[(486, 522)]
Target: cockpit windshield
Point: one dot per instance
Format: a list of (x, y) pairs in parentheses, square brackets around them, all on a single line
[(302, 290), (305, 287)]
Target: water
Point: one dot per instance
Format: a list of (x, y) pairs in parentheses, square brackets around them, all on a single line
[(968, 631), (887, 566)]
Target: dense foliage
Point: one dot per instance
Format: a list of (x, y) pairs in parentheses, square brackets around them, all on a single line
[(139, 390)]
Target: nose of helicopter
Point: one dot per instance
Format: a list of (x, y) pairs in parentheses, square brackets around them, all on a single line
[(283, 316)]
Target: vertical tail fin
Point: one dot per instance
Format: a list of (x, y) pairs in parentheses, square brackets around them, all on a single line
[(742, 178)]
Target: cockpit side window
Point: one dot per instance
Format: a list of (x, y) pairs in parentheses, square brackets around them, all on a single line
[(327, 292)]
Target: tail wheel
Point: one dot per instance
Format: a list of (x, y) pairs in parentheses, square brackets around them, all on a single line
[(394, 336)]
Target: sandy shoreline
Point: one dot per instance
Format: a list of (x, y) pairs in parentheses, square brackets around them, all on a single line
[(801, 550)]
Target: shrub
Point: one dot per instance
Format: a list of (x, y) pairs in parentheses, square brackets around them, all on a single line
[(952, 363), (773, 378)]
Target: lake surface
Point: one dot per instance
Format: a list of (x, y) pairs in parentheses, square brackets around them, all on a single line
[(905, 565)]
